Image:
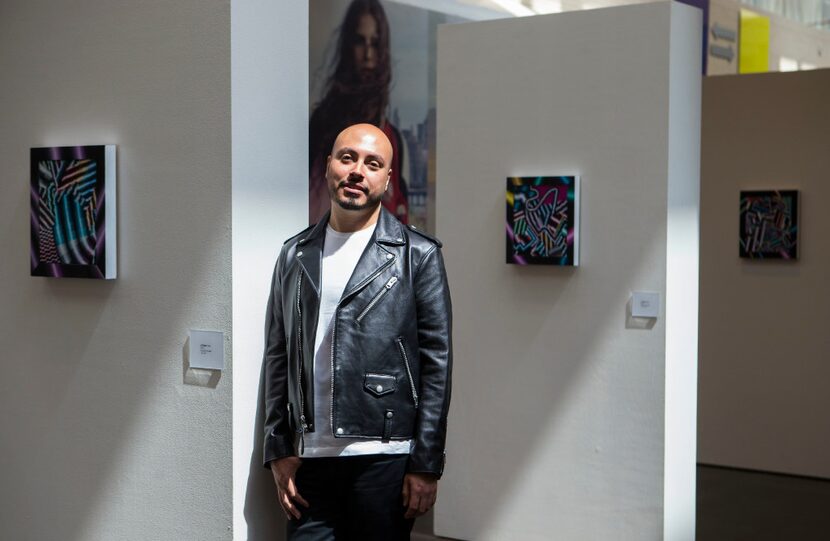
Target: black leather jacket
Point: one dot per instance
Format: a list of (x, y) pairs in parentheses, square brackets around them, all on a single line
[(391, 348)]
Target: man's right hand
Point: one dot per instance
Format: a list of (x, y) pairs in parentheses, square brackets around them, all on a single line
[(284, 469)]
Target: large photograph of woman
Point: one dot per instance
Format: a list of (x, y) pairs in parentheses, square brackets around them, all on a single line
[(373, 61)]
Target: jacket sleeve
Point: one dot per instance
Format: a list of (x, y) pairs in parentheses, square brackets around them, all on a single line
[(434, 312), (278, 441)]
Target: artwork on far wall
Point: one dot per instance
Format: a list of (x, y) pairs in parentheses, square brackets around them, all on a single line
[(73, 218), (543, 220), (769, 224)]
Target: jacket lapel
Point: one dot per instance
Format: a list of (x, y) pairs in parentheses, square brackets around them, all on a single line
[(376, 257), (310, 253)]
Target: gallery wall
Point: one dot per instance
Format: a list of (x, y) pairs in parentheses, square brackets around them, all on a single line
[(561, 423), (270, 204), (106, 434), (764, 342)]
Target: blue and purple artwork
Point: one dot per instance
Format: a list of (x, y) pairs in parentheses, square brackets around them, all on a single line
[(543, 220), (73, 212), (769, 224)]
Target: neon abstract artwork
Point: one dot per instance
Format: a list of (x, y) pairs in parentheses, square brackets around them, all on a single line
[(769, 224), (543, 220), (72, 226)]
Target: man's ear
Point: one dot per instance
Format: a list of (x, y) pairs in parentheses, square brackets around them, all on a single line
[(388, 178)]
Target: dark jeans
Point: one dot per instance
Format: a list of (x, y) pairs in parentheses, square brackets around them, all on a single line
[(351, 498)]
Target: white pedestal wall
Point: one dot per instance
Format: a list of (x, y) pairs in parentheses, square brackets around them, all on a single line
[(105, 433), (764, 341), (570, 420), (269, 73)]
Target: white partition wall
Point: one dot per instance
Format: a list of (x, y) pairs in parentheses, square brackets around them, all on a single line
[(269, 65), (764, 343), (571, 420), (105, 432)]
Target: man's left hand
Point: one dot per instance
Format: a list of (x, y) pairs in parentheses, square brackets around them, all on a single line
[(419, 493)]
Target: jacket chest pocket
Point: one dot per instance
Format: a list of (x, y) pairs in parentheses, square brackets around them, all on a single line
[(377, 298), (379, 384)]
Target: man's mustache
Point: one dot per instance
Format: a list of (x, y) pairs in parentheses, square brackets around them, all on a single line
[(351, 184)]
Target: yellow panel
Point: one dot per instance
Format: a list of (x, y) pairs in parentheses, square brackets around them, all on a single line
[(754, 43)]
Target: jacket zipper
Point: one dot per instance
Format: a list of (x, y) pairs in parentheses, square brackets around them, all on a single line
[(303, 425), (392, 281), (408, 370), (334, 335)]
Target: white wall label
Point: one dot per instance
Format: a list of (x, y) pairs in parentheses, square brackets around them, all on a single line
[(645, 304), (207, 349)]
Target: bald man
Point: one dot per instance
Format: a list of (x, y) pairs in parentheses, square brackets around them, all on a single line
[(358, 358)]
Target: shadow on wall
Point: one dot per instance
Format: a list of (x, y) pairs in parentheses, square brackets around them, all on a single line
[(52, 407), (74, 400), (263, 515), (87, 355)]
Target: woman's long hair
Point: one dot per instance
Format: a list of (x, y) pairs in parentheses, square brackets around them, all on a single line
[(352, 97)]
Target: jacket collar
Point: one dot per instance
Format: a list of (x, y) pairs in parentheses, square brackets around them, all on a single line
[(388, 231)]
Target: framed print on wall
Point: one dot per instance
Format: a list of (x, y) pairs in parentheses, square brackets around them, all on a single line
[(543, 221), (769, 224), (73, 212), (394, 89)]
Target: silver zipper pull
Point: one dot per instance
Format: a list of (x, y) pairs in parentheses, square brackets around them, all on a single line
[(391, 282), (303, 428)]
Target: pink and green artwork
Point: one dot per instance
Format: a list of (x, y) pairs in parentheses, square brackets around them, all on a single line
[(543, 220), (769, 224), (73, 212)]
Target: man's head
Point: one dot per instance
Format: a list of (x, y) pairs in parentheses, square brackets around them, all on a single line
[(359, 167)]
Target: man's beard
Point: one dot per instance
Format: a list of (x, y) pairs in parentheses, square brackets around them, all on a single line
[(351, 203)]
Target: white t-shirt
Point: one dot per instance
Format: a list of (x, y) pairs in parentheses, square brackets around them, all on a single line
[(341, 251)]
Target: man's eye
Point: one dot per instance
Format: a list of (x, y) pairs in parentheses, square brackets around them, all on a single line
[(374, 165), (346, 158)]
